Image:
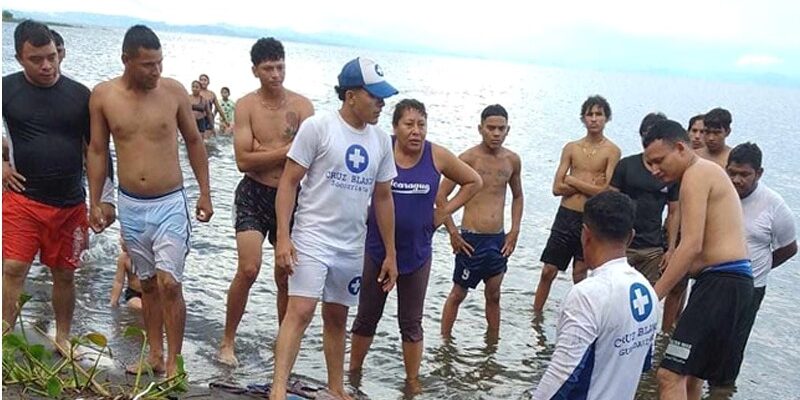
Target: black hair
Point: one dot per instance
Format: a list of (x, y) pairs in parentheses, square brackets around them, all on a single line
[(341, 91), (57, 38), (197, 82), (139, 36), (746, 153), (266, 49), (610, 216), (206, 75), (494, 110), (698, 117), (596, 100), (33, 32), (407, 104), (649, 120), (224, 88), (668, 131), (718, 118)]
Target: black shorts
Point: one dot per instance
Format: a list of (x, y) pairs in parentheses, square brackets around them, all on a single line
[(202, 124), (486, 260), (254, 206), (710, 337), (750, 319), (131, 293), (564, 243)]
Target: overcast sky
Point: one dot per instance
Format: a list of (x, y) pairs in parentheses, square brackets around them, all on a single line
[(732, 35)]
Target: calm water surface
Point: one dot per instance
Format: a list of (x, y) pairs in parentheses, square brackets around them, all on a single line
[(544, 106)]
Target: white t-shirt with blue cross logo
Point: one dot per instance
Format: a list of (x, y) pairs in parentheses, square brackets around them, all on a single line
[(604, 338), (343, 165)]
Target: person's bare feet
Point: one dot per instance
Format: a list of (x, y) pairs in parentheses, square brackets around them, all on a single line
[(227, 356), (413, 386), (154, 367), (63, 347), (277, 394), (339, 394)]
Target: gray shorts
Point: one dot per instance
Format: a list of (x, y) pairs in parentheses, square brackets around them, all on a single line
[(328, 275), (156, 231)]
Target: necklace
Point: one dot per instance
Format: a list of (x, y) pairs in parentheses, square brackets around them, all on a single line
[(593, 151), (269, 106)]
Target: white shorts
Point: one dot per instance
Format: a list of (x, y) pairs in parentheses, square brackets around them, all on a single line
[(156, 232), (333, 276)]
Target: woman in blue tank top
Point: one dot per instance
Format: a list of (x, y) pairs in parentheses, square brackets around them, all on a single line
[(420, 165)]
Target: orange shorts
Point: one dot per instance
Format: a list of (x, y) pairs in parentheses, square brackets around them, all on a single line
[(61, 234)]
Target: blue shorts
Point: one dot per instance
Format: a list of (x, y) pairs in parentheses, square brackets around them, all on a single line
[(486, 260), (156, 231)]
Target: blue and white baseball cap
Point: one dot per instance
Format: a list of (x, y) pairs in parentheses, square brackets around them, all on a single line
[(365, 73)]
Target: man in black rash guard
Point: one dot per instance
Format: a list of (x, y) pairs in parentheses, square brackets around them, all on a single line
[(47, 119)]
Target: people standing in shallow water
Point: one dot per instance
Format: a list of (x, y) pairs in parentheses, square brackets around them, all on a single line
[(709, 338), (697, 132), (209, 95), (153, 208), (768, 222), (343, 160), (607, 322), (420, 165), (481, 246), (269, 117), (716, 129), (201, 109), (585, 170)]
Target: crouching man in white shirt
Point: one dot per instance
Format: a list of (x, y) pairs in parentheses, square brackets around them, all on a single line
[(608, 322)]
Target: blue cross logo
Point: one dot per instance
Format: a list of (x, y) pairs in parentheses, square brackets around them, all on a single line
[(354, 286), (356, 159), (641, 303)]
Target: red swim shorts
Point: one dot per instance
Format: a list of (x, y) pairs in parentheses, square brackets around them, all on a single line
[(61, 234)]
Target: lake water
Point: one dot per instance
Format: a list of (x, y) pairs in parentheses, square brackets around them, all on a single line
[(543, 104)]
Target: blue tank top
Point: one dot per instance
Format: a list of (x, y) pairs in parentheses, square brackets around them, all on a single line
[(414, 192)]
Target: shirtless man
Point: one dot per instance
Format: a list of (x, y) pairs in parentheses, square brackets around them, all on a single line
[(716, 128), (708, 341), (482, 248), (268, 120), (585, 170), (142, 111)]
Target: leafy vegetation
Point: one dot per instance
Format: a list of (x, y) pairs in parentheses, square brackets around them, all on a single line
[(33, 368)]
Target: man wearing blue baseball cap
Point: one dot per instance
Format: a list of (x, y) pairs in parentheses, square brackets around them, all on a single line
[(345, 160)]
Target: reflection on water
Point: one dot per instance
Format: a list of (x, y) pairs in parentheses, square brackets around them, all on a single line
[(543, 103)]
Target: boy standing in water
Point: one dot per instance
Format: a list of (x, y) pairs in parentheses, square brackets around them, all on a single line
[(227, 106), (585, 170), (482, 248), (269, 117)]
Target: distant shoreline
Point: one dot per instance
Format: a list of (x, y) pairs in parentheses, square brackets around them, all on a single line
[(48, 23)]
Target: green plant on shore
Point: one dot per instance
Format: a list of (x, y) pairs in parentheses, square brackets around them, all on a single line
[(33, 367)]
